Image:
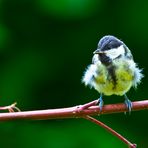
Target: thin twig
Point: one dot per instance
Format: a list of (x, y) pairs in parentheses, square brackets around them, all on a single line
[(111, 131), (87, 105), (11, 108)]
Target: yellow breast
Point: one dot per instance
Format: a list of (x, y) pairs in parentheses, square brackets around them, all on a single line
[(124, 76)]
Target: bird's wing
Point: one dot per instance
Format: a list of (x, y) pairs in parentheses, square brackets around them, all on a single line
[(89, 75)]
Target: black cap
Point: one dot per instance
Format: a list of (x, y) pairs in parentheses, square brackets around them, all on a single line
[(109, 42)]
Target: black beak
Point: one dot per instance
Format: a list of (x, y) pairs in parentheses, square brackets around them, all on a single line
[(98, 52)]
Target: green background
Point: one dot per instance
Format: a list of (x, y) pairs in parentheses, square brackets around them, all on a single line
[(45, 46)]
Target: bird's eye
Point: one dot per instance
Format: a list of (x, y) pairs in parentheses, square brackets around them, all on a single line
[(108, 47)]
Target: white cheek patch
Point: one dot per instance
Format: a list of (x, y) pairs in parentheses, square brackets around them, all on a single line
[(115, 52)]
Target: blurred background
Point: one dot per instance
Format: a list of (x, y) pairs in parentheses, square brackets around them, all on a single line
[(45, 46)]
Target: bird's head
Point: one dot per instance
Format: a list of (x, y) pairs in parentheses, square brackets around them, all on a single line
[(110, 48)]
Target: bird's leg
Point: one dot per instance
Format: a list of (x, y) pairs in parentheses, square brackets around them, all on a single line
[(128, 103), (101, 103)]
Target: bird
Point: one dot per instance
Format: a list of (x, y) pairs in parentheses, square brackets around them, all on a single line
[(113, 70)]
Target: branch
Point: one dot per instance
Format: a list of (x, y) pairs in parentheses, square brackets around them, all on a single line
[(83, 111), (73, 112), (130, 145)]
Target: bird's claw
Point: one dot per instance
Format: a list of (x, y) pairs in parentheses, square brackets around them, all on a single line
[(128, 104), (101, 103)]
